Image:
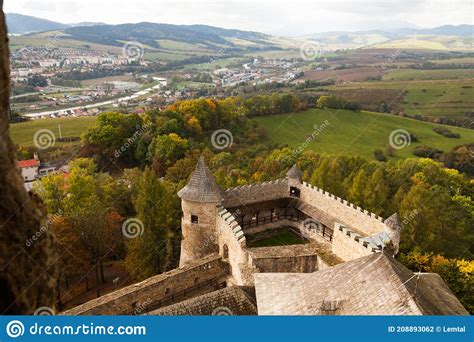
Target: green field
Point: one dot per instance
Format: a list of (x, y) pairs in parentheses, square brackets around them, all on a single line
[(443, 98), (215, 63), (412, 74), (354, 133), (22, 133)]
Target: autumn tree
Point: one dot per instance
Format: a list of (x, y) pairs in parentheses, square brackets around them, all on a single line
[(87, 204), (111, 132), (376, 192), (165, 150), (356, 192)]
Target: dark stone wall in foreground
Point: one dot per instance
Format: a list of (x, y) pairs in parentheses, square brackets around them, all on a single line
[(26, 273)]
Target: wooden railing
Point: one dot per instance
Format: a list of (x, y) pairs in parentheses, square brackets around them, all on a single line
[(285, 214), (291, 214)]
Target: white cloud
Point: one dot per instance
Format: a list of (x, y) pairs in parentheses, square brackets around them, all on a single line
[(282, 17)]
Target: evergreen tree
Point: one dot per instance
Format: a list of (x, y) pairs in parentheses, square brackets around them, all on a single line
[(157, 208)]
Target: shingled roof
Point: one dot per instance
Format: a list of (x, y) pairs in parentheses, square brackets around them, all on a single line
[(294, 172), (394, 222), (373, 285), (202, 186)]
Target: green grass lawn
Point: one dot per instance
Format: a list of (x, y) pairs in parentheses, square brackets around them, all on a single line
[(283, 238), (22, 133), (354, 133)]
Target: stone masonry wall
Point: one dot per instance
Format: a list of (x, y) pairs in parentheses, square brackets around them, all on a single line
[(346, 244), (199, 239), (232, 244), (252, 193), (299, 264), (347, 213), (149, 292)]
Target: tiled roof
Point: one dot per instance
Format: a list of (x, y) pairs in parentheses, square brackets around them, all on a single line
[(394, 222), (373, 285), (202, 186), (28, 163), (294, 172)]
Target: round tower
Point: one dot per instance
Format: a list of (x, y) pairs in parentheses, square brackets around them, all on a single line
[(199, 201), (294, 181), (394, 232)]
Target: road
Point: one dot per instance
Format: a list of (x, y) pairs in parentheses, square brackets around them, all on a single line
[(92, 105)]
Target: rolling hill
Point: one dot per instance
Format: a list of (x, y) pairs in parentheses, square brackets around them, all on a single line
[(354, 133), (447, 37), (20, 24), (150, 33), (204, 39), (345, 132)]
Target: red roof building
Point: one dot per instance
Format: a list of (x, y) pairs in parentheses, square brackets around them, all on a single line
[(28, 163)]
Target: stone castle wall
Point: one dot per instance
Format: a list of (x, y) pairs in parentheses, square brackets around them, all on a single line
[(347, 244), (198, 239), (252, 193), (232, 249), (139, 297), (347, 213), (286, 264)]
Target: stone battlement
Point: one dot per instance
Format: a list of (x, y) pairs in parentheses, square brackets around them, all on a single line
[(343, 201), (259, 192), (347, 213), (232, 224), (357, 238)]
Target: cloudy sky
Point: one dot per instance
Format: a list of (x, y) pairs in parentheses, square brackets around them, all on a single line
[(288, 17)]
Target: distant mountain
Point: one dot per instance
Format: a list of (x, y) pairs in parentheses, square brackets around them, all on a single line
[(85, 23), (432, 38), (209, 39), (151, 33), (19, 23), (450, 30)]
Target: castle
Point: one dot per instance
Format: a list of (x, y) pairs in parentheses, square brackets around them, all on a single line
[(281, 247)]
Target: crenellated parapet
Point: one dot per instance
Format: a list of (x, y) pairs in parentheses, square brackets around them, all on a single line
[(259, 192), (348, 204), (231, 224), (357, 238)]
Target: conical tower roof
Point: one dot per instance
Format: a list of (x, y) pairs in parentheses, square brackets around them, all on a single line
[(202, 186), (394, 222), (294, 172)]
